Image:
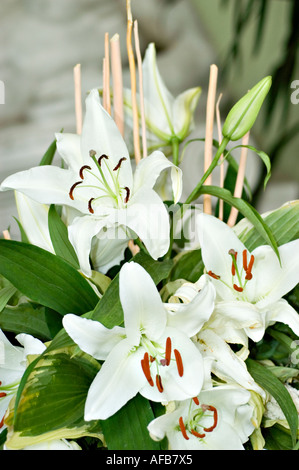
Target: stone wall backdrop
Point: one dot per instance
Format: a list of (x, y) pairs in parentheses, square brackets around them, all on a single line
[(43, 40)]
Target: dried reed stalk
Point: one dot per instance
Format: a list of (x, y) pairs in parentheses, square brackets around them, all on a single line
[(117, 83), (221, 182), (78, 98), (210, 112), (141, 95)]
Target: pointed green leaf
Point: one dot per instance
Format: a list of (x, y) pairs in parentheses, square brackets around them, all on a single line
[(49, 154), (127, 429), (59, 237), (45, 278), (273, 385)]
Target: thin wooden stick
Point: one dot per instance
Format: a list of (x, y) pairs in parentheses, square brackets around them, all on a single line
[(106, 76), (6, 235), (141, 95), (240, 180), (221, 182), (207, 203), (117, 83), (78, 98), (133, 84)]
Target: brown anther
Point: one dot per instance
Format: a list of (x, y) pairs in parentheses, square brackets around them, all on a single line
[(101, 158), (215, 417), (237, 288), (127, 194), (146, 369), (168, 351), (2, 422), (183, 429), (245, 260), (213, 275), (152, 359), (250, 264), (89, 205), (248, 276), (179, 362), (2, 394), (196, 400), (197, 434), (119, 164), (84, 167), (159, 383), (72, 189)]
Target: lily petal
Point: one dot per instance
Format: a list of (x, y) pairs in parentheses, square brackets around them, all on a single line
[(142, 305), (100, 133), (183, 111), (283, 312), (69, 148), (191, 317), (91, 336), (216, 239), (272, 281), (149, 169), (119, 380), (147, 216)]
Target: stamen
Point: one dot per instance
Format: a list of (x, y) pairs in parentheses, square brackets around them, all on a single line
[(248, 276), (101, 158), (245, 260), (82, 169), (89, 205), (179, 362), (127, 194), (152, 359), (233, 268), (2, 394), (159, 383), (2, 422), (234, 254), (197, 434), (146, 369), (196, 400), (237, 288), (168, 351), (119, 164), (72, 189), (183, 429), (250, 264), (215, 417), (210, 273)]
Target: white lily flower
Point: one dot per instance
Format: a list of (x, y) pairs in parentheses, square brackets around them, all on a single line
[(166, 117), (99, 183), (33, 217), (220, 418), (249, 286), (13, 365), (148, 355)]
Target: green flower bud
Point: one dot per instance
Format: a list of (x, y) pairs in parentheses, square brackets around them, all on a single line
[(243, 114)]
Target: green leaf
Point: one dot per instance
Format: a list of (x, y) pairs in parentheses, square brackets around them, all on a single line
[(45, 278), (283, 223), (247, 210), (33, 319), (59, 237), (5, 295), (49, 154), (109, 310), (52, 402), (273, 385), (188, 265), (127, 429), (243, 114), (277, 438)]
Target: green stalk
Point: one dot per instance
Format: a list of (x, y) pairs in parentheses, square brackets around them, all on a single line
[(213, 165), (175, 150)]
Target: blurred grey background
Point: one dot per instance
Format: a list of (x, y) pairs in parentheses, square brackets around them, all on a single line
[(247, 39)]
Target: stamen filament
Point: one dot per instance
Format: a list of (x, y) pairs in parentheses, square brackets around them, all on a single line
[(183, 429)]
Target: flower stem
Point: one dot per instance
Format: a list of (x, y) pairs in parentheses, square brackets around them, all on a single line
[(214, 163), (175, 150)]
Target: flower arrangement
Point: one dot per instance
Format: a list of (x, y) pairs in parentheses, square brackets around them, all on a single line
[(133, 320)]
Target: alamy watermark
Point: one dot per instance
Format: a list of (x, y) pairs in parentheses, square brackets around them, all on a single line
[(295, 94)]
